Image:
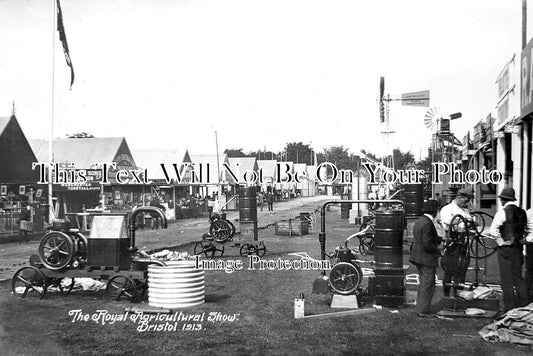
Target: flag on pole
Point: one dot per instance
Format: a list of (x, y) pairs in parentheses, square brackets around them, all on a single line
[(63, 39)]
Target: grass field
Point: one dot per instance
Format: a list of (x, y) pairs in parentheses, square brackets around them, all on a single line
[(262, 303)]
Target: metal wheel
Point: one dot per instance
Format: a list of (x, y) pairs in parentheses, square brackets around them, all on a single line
[(232, 229), (29, 281), (248, 249), (366, 245), (482, 220), (345, 277), (208, 249), (81, 246), (220, 230), (121, 286), (482, 246), (459, 229), (261, 249), (56, 250)]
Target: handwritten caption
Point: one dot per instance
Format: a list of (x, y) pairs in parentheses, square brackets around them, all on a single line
[(154, 322)]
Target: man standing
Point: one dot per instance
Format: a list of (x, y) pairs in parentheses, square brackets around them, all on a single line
[(270, 201), (425, 255), (508, 228), (456, 257), (528, 279)]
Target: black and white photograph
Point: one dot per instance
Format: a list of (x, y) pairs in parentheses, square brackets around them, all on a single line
[(251, 177)]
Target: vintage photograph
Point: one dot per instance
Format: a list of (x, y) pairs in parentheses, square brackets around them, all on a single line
[(247, 177)]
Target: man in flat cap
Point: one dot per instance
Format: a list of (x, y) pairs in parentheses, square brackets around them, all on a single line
[(425, 255), (456, 257), (508, 228)]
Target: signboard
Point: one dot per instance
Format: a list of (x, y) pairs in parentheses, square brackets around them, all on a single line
[(515, 129), (526, 88), (499, 134), (417, 98)]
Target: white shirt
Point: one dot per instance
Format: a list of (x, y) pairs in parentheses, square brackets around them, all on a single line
[(529, 237), (449, 211), (499, 219)]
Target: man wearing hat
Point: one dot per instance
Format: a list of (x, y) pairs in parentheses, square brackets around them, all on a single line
[(508, 229), (456, 257), (425, 255)]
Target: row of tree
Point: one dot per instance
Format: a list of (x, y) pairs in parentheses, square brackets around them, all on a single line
[(298, 152)]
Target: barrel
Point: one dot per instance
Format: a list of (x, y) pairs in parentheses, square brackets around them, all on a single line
[(247, 204), (414, 199), (388, 253), (177, 285)]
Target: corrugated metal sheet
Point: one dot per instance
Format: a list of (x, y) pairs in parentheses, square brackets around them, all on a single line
[(83, 152)]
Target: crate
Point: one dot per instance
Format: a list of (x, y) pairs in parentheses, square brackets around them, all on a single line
[(292, 227)]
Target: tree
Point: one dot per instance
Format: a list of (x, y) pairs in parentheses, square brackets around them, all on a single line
[(297, 152), (234, 152), (402, 159)]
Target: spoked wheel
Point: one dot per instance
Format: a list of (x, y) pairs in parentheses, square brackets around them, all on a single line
[(232, 233), (482, 220), (482, 246), (345, 277), (56, 250), (261, 249), (122, 287), (248, 249), (29, 281), (459, 229), (208, 249), (220, 230), (366, 245)]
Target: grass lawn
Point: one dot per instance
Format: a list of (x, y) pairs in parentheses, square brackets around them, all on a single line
[(262, 303)]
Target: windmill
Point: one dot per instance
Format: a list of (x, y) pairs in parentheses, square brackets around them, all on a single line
[(431, 119)]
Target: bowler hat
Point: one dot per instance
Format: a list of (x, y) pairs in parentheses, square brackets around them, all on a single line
[(465, 193), (430, 206), (507, 193)]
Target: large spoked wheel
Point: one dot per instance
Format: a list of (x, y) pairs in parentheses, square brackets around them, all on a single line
[(29, 281), (122, 287), (208, 249), (459, 229), (366, 245), (345, 277), (248, 249), (220, 230), (56, 250), (482, 246), (482, 220)]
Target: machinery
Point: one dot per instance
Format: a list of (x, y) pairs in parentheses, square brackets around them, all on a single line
[(108, 253)]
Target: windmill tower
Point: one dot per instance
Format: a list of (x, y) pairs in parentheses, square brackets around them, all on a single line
[(386, 131)]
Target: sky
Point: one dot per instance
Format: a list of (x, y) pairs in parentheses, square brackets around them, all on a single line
[(171, 73)]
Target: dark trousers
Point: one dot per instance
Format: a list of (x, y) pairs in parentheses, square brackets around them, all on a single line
[(426, 287), (270, 208), (510, 259), (528, 279)]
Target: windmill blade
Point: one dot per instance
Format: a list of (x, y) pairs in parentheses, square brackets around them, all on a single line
[(431, 119)]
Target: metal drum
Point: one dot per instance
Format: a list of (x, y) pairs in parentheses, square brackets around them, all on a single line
[(247, 204), (388, 253), (414, 199)]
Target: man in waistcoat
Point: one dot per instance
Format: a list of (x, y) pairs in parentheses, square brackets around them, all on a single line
[(425, 255), (508, 229)]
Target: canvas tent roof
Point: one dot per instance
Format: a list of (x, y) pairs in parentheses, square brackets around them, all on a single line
[(151, 160)]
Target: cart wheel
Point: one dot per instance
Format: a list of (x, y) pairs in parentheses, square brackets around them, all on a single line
[(232, 233), (204, 247), (261, 249), (81, 246), (220, 230), (345, 277), (56, 250), (248, 249), (121, 286), (366, 245), (28, 281)]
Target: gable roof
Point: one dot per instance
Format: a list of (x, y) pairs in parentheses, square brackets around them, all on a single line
[(151, 159), (268, 167), (83, 152), (3, 123), (211, 162), (239, 165)]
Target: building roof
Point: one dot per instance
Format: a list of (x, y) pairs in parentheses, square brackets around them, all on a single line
[(268, 167), (239, 165), (151, 160), (211, 162), (85, 153)]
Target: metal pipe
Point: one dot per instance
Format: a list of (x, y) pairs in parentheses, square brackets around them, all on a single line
[(133, 218)]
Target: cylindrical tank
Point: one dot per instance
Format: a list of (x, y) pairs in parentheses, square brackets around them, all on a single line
[(414, 199), (388, 253), (360, 192), (247, 203), (177, 285)]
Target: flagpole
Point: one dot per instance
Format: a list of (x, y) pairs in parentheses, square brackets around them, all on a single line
[(51, 214)]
